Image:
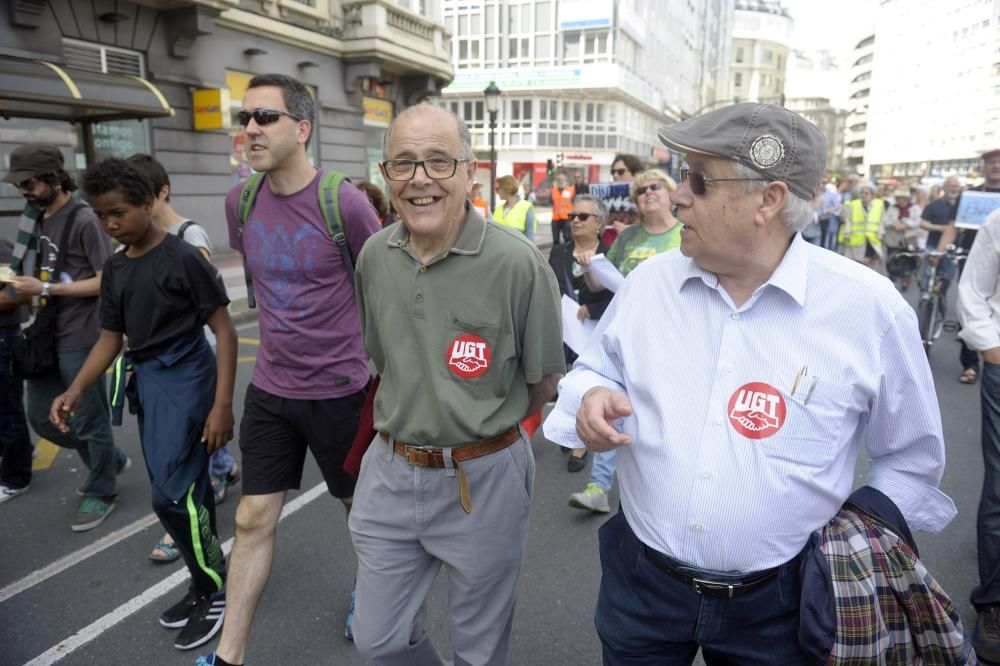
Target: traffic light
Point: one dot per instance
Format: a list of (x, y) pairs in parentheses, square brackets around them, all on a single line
[(559, 160), (548, 167)]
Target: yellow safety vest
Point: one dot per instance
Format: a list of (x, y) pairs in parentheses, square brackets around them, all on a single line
[(861, 228), (516, 217)]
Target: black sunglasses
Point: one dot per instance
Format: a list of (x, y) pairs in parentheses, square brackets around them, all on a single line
[(652, 187), (262, 116), (699, 182), (619, 172), (27, 183), (583, 216)]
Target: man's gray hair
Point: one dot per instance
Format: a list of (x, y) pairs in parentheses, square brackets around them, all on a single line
[(797, 212), (464, 136), (599, 204)]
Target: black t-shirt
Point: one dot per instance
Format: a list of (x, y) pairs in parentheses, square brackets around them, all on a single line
[(965, 237), (161, 297), (937, 212)]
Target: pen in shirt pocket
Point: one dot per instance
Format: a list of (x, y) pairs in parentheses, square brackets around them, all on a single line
[(798, 378)]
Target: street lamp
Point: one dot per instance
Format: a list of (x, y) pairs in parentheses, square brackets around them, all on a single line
[(492, 94)]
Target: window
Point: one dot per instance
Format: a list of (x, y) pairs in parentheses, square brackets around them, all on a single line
[(571, 47), (739, 54), (738, 79), (768, 56)]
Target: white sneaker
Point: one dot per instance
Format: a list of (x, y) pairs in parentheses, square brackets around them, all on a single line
[(9, 492), (593, 498)]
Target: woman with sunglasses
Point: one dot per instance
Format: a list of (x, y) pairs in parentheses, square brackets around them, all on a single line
[(624, 168), (658, 231), (585, 223)]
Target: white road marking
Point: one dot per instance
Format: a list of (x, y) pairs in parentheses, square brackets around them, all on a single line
[(90, 632), (76, 557)]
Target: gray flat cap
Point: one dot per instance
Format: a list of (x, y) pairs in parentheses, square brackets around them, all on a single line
[(771, 140)]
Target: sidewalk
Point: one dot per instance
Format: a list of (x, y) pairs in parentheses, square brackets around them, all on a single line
[(230, 266)]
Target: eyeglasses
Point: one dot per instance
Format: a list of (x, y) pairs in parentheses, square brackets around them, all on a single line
[(262, 116), (619, 172), (436, 168), (699, 181), (583, 217), (652, 187), (27, 184)]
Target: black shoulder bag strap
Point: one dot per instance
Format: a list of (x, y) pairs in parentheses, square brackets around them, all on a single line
[(62, 249)]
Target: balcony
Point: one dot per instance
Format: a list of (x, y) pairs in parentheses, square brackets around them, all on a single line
[(401, 40)]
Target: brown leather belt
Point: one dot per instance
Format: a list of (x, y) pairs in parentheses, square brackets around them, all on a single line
[(426, 456), (710, 588)]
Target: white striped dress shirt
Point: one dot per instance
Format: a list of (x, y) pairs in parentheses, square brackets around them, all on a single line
[(979, 288), (730, 469)]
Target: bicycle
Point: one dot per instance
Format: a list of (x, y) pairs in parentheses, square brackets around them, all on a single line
[(932, 308)]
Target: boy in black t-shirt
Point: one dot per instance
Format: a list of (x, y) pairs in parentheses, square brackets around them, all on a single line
[(159, 292)]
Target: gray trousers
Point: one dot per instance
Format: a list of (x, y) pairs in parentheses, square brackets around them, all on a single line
[(90, 426), (406, 522)]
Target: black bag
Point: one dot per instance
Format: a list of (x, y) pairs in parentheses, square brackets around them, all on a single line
[(35, 355)]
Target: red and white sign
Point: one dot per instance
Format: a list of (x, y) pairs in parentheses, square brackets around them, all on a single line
[(469, 356), (757, 410)]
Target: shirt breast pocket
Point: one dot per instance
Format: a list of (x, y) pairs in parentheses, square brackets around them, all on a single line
[(471, 352), (814, 422)]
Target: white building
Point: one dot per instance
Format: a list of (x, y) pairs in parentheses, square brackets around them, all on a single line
[(762, 37), (934, 103), (860, 90), (584, 79)]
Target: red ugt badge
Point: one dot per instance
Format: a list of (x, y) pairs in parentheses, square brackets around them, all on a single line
[(469, 356), (757, 410)]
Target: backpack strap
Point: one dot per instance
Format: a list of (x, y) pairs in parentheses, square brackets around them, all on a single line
[(329, 205), (184, 227), (243, 207)]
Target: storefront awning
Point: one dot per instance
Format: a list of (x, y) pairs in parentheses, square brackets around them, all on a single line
[(38, 89)]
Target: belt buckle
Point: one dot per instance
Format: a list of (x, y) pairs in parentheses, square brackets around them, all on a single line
[(418, 455), (697, 585)]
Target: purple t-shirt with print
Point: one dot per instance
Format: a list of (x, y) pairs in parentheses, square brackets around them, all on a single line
[(310, 336)]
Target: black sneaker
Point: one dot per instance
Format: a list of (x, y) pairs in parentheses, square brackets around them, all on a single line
[(204, 622), (986, 638), (176, 616)]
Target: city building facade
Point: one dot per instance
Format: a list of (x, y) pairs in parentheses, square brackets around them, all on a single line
[(830, 120), (166, 77), (761, 46), (859, 91), (933, 117), (582, 80)]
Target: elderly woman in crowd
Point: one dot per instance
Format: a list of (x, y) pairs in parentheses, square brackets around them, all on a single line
[(586, 222), (658, 231)]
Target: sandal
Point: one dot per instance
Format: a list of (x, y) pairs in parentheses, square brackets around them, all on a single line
[(968, 376), (220, 483), (165, 551)]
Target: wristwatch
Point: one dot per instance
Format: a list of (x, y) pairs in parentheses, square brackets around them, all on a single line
[(45, 289)]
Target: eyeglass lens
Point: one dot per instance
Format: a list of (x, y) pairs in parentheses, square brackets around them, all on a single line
[(619, 172), (651, 187), (261, 116), (582, 216), (695, 180)]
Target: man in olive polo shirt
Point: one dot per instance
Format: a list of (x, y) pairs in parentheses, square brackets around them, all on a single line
[(461, 319)]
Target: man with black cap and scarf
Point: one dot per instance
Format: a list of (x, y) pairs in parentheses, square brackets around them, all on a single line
[(738, 441), (58, 257)]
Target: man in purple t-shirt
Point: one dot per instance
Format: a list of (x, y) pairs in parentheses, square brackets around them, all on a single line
[(308, 384)]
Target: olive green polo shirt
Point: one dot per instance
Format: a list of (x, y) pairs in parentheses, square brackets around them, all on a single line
[(458, 340)]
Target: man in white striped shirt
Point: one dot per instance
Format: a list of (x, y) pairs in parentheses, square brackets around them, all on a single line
[(979, 311), (739, 439)]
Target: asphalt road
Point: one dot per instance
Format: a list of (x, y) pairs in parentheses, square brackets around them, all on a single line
[(94, 598)]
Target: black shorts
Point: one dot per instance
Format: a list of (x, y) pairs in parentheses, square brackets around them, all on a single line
[(275, 432)]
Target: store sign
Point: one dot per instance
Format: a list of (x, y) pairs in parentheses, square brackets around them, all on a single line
[(211, 109), (521, 79), (378, 112), (584, 14), (576, 157), (119, 138)]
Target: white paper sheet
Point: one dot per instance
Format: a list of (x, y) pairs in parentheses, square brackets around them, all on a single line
[(576, 333), (606, 272)]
